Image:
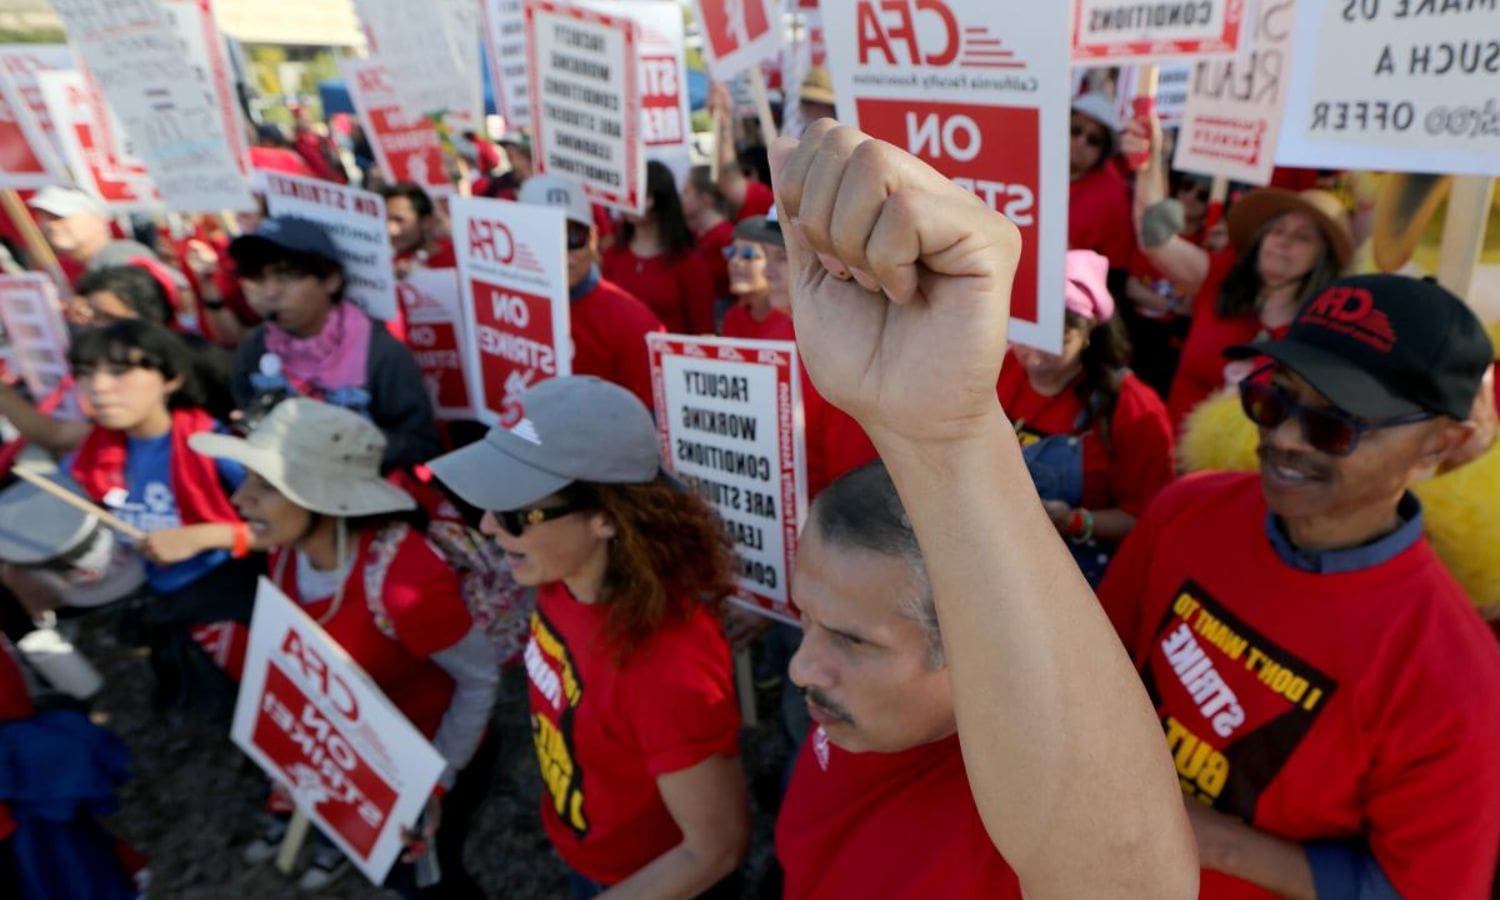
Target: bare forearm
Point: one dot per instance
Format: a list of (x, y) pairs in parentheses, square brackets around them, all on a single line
[(682, 872), (1276, 864), (53, 434), (1060, 743), (1182, 261), (731, 179)]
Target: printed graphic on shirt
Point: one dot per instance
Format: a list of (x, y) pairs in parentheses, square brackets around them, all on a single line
[(1234, 704), (154, 506), (555, 682)]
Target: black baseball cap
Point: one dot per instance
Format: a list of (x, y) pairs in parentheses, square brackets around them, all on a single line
[(279, 235), (1382, 346)]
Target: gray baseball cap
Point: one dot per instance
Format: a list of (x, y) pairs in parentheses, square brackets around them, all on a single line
[(558, 190), (563, 430)]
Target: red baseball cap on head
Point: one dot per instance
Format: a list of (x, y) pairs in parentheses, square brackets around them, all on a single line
[(1385, 346)]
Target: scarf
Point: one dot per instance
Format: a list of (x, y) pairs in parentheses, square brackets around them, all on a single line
[(333, 358), (99, 467)]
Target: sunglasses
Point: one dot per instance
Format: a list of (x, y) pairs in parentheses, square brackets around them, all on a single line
[(578, 236), (1092, 138), (1326, 429), (516, 521), (745, 252)]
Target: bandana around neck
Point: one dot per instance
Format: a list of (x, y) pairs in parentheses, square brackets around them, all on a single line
[(333, 358)]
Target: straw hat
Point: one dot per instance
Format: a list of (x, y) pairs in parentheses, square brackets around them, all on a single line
[(321, 457), (1251, 212), (817, 87)]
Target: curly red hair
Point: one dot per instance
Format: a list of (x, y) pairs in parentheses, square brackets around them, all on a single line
[(669, 556)]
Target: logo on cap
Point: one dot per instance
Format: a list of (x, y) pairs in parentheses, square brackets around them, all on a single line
[(1351, 311), (559, 196)]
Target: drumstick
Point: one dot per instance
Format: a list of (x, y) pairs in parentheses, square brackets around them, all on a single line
[(80, 504)]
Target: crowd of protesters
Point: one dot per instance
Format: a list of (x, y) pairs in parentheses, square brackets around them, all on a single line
[(1034, 655)]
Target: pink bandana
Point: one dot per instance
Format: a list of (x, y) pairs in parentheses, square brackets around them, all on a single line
[(331, 359)]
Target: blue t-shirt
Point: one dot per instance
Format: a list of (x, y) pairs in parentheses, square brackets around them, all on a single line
[(150, 504)]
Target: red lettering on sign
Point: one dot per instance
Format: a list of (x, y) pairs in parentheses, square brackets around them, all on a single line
[(884, 26), (491, 241), (305, 657)]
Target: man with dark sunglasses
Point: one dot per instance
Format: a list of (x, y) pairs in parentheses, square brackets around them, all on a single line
[(609, 323), (1329, 696)]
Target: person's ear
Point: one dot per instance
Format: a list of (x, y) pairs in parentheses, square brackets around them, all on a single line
[(602, 527), (174, 384), (331, 283)]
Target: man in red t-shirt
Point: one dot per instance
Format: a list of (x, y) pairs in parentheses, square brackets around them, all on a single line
[(979, 731), (1329, 695), (416, 233), (609, 325)]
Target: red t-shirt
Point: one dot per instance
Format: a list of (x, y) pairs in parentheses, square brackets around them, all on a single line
[(711, 244), (759, 198), (1200, 373), (441, 258), (279, 159), (679, 289), (1099, 216), (836, 443), (426, 610), (609, 338), (605, 731), (1361, 705), (15, 699), (777, 325), (886, 825), (1142, 462)]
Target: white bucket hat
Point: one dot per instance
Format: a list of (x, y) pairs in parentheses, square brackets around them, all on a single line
[(321, 457)]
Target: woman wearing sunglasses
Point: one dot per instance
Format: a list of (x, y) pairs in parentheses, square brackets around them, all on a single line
[(653, 258), (348, 550), (1096, 440), (632, 699), (1285, 246), (609, 324), (758, 280), (1098, 197)]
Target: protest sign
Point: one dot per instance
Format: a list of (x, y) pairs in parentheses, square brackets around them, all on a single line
[(406, 148), (730, 417), (738, 34), (585, 94), (1172, 83), (419, 58), (166, 108), (310, 717), (1235, 106), (505, 41), (984, 107), (91, 145), (194, 24), (665, 132), (1109, 32), (513, 290), (21, 63), (1402, 85), (355, 219), (34, 330), (436, 334), (26, 157)]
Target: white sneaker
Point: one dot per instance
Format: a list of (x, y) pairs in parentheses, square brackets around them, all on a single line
[(267, 844), (327, 865)]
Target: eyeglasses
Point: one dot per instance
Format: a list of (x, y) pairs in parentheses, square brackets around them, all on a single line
[(1092, 138), (748, 251), (1326, 429), (578, 236), (516, 521)]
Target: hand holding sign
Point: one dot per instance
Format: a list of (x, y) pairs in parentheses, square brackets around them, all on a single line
[(919, 360)]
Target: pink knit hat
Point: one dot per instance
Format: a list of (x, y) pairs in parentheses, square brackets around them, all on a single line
[(1085, 291)]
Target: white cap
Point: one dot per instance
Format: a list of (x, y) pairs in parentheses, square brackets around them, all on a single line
[(558, 190), (65, 201)]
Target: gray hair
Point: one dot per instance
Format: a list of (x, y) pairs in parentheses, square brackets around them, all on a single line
[(862, 509)]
